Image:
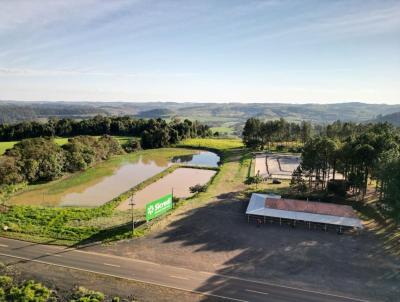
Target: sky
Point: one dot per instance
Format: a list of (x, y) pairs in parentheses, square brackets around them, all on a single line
[(293, 51)]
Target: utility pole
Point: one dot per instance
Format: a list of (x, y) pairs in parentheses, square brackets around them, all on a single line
[(133, 218)]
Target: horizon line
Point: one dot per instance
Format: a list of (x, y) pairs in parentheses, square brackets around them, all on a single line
[(205, 102)]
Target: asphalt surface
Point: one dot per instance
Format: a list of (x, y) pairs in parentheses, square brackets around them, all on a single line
[(227, 287)]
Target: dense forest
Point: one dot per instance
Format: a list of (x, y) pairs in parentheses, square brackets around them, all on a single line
[(359, 153), (258, 134), (38, 158), (154, 132)]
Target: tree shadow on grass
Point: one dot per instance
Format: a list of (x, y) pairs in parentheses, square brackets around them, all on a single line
[(113, 233)]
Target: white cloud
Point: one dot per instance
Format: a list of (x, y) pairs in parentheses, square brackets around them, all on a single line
[(54, 73)]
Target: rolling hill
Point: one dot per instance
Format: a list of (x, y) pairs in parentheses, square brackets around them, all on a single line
[(227, 115)]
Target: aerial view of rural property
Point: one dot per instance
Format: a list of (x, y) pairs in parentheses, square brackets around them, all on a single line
[(199, 150)]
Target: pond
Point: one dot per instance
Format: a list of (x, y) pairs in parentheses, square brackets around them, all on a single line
[(125, 177), (178, 182), (201, 158), (108, 180)]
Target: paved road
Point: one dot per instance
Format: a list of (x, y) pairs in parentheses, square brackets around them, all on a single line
[(230, 288)]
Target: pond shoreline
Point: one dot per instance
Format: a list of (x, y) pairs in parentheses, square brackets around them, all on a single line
[(109, 179)]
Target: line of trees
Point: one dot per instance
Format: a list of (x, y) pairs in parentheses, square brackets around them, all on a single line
[(41, 159), (258, 134), (154, 132), (359, 155), (341, 158)]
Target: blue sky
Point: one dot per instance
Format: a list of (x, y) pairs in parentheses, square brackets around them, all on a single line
[(249, 51)]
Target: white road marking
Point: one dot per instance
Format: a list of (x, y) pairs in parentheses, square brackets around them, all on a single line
[(114, 265), (225, 276), (179, 277), (3, 245), (209, 273), (127, 278), (54, 255), (257, 292)]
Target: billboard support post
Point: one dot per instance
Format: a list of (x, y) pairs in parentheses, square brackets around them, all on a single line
[(133, 218)]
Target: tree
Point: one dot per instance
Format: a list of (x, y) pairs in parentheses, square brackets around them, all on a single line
[(10, 172), (252, 134), (297, 183), (305, 131), (39, 159), (131, 145)]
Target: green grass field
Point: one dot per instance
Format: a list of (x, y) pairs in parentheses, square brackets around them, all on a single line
[(6, 145), (213, 143), (70, 226), (222, 130)]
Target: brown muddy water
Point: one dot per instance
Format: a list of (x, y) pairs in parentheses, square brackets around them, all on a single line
[(103, 189), (178, 182), (132, 174), (124, 178)]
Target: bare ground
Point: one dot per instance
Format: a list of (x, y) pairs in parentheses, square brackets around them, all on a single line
[(217, 238)]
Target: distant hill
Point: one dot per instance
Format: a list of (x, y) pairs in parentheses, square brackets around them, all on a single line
[(155, 113), (227, 115), (11, 112), (393, 118)]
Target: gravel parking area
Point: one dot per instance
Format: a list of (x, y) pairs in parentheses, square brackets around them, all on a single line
[(217, 238)]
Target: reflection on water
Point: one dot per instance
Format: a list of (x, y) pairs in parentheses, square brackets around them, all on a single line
[(202, 158), (125, 177), (130, 174)]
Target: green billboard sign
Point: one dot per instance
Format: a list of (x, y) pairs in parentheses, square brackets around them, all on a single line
[(158, 207)]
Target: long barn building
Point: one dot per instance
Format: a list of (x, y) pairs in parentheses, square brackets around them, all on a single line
[(272, 208)]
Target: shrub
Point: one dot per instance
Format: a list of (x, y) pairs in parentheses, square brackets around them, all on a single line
[(338, 187), (5, 281), (256, 179), (297, 149), (198, 188), (131, 145), (30, 291), (83, 294), (280, 148)]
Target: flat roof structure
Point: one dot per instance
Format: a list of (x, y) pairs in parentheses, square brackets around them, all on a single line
[(300, 210)]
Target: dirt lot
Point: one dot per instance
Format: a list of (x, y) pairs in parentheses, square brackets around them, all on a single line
[(217, 238)]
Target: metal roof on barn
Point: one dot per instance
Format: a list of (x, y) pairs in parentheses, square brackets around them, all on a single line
[(310, 211)]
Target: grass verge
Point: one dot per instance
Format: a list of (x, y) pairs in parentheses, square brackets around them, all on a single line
[(72, 225)]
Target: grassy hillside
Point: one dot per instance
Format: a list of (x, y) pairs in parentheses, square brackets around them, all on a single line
[(226, 118), (231, 115), (11, 112)]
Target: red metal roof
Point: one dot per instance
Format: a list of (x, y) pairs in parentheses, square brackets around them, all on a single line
[(310, 207)]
